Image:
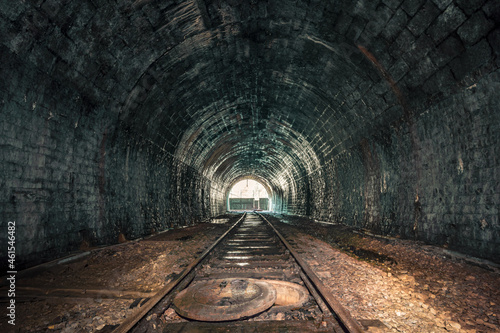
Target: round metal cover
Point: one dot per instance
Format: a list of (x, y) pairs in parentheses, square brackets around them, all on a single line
[(224, 299), (288, 295)]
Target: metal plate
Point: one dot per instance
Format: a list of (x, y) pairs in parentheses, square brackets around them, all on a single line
[(224, 299), (288, 295)]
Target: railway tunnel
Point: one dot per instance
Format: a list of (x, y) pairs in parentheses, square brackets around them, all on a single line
[(122, 119)]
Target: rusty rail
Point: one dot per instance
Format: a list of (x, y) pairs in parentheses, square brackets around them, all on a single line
[(332, 310), (343, 315), (131, 321)]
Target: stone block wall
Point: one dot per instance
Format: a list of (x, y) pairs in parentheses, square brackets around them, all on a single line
[(458, 183), (114, 114), (70, 180), (434, 178)]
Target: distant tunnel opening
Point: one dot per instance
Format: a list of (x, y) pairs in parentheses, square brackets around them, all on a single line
[(345, 111), (248, 194)]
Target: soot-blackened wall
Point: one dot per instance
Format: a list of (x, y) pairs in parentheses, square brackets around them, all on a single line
[(431, 177), (70, 179), (135, 116)]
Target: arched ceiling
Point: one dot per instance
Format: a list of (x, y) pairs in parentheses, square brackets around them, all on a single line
[(233, 88), (251, 90)]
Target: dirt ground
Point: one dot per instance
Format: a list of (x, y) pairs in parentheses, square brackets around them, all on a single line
[(137, 266), (408, 286)]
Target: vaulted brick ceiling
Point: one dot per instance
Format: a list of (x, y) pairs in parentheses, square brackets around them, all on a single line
[(265, 88)]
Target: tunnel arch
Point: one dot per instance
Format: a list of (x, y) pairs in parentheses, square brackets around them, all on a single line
[(133, 116)]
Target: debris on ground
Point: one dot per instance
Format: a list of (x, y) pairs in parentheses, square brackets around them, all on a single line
[(408, 286)]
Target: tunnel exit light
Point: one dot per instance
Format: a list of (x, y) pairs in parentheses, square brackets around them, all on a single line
[(248, 194)]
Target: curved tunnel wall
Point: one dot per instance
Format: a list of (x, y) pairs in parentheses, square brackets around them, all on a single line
[(438, 185), (136, 117), (72, 181)]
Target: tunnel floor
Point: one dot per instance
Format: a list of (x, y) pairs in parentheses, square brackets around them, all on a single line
[(408, 286)]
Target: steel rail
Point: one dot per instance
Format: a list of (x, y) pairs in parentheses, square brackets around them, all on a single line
[(131, 321), (344, 316)]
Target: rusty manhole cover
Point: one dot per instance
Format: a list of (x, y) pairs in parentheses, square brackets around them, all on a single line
[(288, 295), (225, 299)]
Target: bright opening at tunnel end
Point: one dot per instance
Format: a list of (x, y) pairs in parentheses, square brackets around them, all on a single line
[(248, 194)]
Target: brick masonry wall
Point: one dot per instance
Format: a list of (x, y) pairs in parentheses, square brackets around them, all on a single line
[(217, 200), (327, 100), (146, 190), (439, 185), (459, 185), (69, 180)]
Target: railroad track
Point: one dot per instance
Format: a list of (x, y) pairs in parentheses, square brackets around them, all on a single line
[(249, 280)]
